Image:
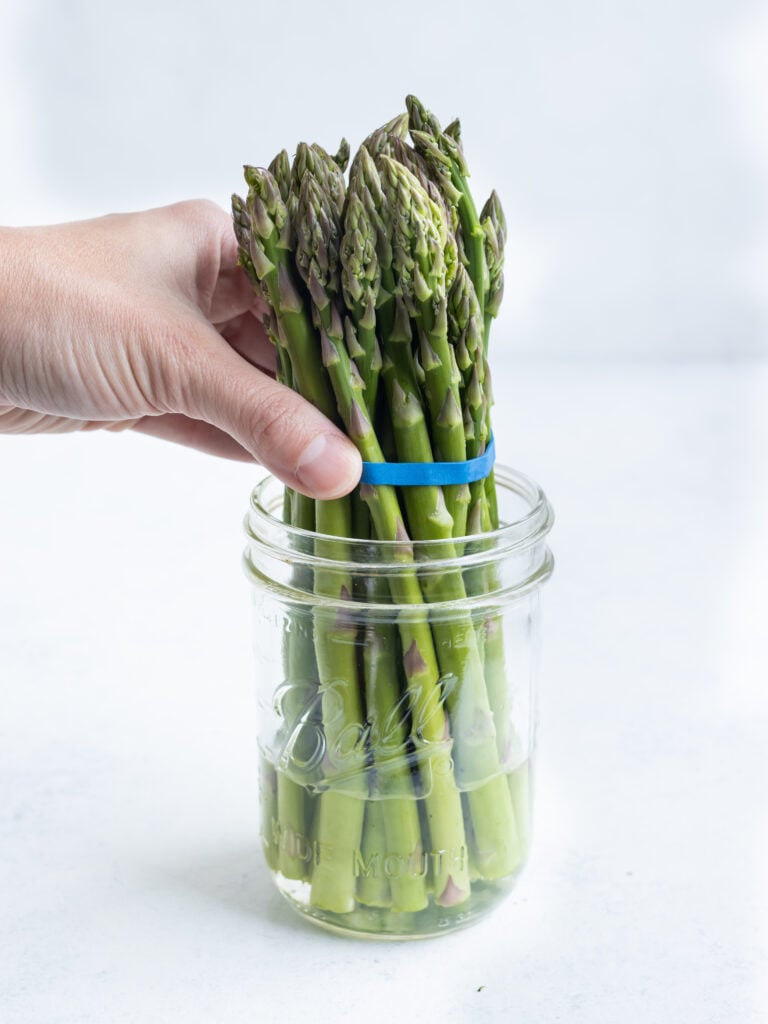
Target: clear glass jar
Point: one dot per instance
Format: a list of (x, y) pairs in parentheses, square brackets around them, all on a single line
[(398, 717)]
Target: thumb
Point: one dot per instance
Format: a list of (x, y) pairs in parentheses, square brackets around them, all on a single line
[(284, 432)]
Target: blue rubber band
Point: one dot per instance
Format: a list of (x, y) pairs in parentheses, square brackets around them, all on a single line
[(430, 474)]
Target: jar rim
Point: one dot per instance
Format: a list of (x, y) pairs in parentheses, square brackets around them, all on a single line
[(513, 535)]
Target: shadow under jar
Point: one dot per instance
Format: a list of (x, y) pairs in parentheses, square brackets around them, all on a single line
[(396, 684)]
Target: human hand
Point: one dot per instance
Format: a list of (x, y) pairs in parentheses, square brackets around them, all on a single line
[(145, 321)]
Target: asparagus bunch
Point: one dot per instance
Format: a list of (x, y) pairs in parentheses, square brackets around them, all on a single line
[(381, 292)]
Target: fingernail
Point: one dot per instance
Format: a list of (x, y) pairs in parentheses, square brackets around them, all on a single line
[(328, 466)]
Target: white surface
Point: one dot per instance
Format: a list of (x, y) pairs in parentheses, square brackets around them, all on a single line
[(132, 887), (628, 140)]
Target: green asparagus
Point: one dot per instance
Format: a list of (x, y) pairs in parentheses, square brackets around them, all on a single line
[(381, 292)]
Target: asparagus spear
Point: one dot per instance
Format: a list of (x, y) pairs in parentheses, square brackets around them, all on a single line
[(495, 229), (397, 813), (266, 247), (423, 258), (339, 819), (494, 226), (365, 184), (291, 807), (443, 153), (470, 324), (420, 270), (442, 799)]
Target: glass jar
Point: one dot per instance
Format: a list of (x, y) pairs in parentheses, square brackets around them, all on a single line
[(396, 685)]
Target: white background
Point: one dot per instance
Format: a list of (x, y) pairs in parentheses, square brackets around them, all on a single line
[(628, 143)]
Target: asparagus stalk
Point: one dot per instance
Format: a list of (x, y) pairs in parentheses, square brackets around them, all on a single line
[(421, 243), (373, 887), (340, 814), (466, 331), (266, 247), (421, 273), (394, 792), (494, 226), (290, 808), (471, 323), (495, 232), (481, 238), (465, 324), (429, 723), (396, 815)]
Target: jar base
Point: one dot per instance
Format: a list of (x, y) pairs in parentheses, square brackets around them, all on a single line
[(383, 924)]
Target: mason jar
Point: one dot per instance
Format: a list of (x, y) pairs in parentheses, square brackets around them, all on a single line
[(396, 686)]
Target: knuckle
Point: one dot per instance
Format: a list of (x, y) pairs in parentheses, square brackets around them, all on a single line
[(197, 213)]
